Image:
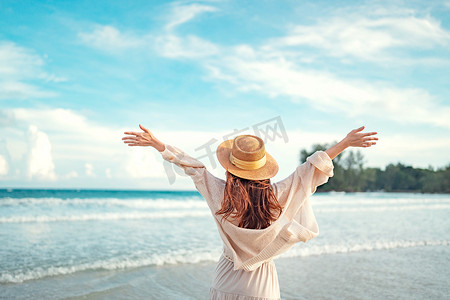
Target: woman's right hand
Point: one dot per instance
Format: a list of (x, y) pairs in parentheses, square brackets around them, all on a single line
[(145, 138), (354, 138)]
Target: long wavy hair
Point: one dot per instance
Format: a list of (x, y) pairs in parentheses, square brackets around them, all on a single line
[(251, 202)]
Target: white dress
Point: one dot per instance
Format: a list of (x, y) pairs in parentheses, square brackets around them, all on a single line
[(229, 284), (246, 270)]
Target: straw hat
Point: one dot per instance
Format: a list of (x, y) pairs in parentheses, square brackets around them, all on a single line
[(245, 156)]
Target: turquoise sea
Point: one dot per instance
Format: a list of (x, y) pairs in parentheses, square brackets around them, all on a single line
[(99, 244)]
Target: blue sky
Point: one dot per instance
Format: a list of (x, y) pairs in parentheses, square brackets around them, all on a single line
[(75, 74)]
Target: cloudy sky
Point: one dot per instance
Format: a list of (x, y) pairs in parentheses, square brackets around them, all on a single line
[(74, 75)]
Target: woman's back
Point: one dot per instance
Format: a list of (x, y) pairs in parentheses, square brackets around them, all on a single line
[(249, 203)]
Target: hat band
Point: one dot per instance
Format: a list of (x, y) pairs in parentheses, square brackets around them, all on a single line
[(248, 165)]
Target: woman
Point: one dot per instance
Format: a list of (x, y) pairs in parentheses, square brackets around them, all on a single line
[(256, 220)]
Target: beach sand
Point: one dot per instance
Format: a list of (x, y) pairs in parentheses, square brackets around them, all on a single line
[(408, 273)]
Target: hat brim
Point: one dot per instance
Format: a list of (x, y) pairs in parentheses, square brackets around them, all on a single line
[(269, 170)]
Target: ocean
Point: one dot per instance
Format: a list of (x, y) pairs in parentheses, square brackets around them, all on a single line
[(100, 244)]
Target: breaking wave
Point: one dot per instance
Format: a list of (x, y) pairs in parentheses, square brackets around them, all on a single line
[(197, 256)]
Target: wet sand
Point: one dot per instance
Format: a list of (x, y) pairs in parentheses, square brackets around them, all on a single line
[(410, 273)]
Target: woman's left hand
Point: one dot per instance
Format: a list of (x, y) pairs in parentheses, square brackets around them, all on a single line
[(145, 138), (356, 138)]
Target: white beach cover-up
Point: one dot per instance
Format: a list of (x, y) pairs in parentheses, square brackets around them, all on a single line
[(230, 284), (246, 270)]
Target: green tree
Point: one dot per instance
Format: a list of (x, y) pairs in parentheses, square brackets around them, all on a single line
[(346, 169), (351, 176)]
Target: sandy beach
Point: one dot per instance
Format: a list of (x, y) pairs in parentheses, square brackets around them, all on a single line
[(402, 273)]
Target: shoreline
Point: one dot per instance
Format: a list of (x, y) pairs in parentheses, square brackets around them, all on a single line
[(377, 274)]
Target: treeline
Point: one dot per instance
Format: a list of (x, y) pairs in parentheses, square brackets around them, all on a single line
[(350, 175)]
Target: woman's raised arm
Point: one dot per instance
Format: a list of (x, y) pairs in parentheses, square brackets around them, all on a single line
[(354, 138), (209, 186), (145, 138)]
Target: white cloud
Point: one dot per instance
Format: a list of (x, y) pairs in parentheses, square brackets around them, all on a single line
[(52, 78), (110, 39), (75, 141), (184, 13), (40, 161), (18, 62), (71, 174), (275, 68), (418, 150), (167, 44), (142, 163), (17, 65), (366, 38), (19, 90), (63, 120), (75, 144), (5, 158), (89, 170), (6, 118), (4, 167), (173, 46), (326, 92)]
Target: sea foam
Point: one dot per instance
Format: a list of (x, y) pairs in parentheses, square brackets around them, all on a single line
[(106, 202), (202, 255), (106, 216)]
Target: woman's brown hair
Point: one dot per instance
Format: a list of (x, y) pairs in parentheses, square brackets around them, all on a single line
[(251, 202)]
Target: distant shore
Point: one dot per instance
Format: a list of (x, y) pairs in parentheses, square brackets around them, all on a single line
[(321, 191)]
